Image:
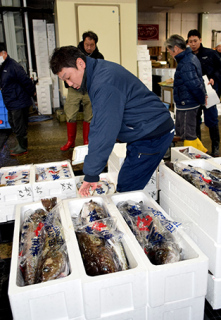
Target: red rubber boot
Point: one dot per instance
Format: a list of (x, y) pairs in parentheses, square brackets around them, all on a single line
[(86, 129), (71, 131)]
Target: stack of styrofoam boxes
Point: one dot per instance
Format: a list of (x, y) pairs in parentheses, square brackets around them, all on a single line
[(55, 83), (176, 155), (62, 188), (144, 66), (41, 54), (44, 95), (115, 296), (201, 216), (115, 162), (12, 195), (146, 291), (55, 299)]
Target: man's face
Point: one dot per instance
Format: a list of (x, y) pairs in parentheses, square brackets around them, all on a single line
[(194, 43), (73, 76), (218, 48), (89, 45)]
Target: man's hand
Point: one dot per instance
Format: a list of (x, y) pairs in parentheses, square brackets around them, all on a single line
[(211, 82), (84, 190)]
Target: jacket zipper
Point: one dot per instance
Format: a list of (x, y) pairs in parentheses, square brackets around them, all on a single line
[(147, 154)]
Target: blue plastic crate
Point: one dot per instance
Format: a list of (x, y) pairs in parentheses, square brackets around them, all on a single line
[(3, 115), (4, 121)]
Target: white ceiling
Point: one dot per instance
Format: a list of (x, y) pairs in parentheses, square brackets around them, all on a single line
[(181, 6)]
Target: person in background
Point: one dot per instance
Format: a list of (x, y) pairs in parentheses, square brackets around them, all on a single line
[(218, 48), (124, 109), (211, 66), (76, 98), (189, 90), (17, 92)]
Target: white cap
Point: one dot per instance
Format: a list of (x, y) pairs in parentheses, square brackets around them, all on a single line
[(218, 44)]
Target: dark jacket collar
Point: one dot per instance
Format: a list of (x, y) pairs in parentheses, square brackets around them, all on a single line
[(180, 56)]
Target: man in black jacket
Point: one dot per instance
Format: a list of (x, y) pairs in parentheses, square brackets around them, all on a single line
[(17, 89), (75, 98), (211, 66)]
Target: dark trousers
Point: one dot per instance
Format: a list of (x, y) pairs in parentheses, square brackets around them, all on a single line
[(186, 123), (210, 116), (18, 120), (142, 159)]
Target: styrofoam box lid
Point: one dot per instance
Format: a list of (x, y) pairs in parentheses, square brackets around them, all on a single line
[(177, 155), (17, 193), (113, 293), (48, 300), (173, 281)]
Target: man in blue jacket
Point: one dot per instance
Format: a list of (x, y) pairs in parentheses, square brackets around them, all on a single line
[(124, 109), (188, 89), (211, 66), (17, 89)]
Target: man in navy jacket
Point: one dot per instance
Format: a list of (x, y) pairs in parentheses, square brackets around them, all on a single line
[(211, 66), (17, 89), (188, 89), (124, 109)]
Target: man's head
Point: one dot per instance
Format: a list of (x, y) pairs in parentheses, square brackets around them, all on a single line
[(194, 40), (90, 40), (69, 64), (175, 44), (3, 53), (218, 47)]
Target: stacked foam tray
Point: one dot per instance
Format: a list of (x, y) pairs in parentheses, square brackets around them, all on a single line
[(54, 183), (177, 155), (19, 191), (115, 162), (145, 291), (201, 215)]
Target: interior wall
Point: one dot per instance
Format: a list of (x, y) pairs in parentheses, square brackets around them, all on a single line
[(66, 32)]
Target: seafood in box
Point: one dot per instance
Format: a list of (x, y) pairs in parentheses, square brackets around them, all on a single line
[(44, 280), (42, 253), (153, 231), (54, 179), (171, 282), (185, 153), (111, 295), (99, 241)]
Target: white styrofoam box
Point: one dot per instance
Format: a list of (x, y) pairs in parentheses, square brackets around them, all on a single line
[(198, 206), (143, 56), (142, 48), (45, 81), (109, 296), (118, 154), (216, 161), (208, 246), (62, 188), (42, 65), (56, 103), (176, 155), (18, 193), (189, 309), (44, 98), (55, 299), (213, 295), (171, 282)]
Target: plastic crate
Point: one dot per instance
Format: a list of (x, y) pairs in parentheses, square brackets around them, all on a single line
[(3, 115)]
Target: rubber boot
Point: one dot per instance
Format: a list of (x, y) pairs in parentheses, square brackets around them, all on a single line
[(71, 131), (21, 147), (86, 129), (215, 138), (195, 144)]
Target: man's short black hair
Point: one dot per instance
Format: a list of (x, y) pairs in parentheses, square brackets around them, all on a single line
[(195, 33), (91, 35), (65, 57), (2, 47)]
